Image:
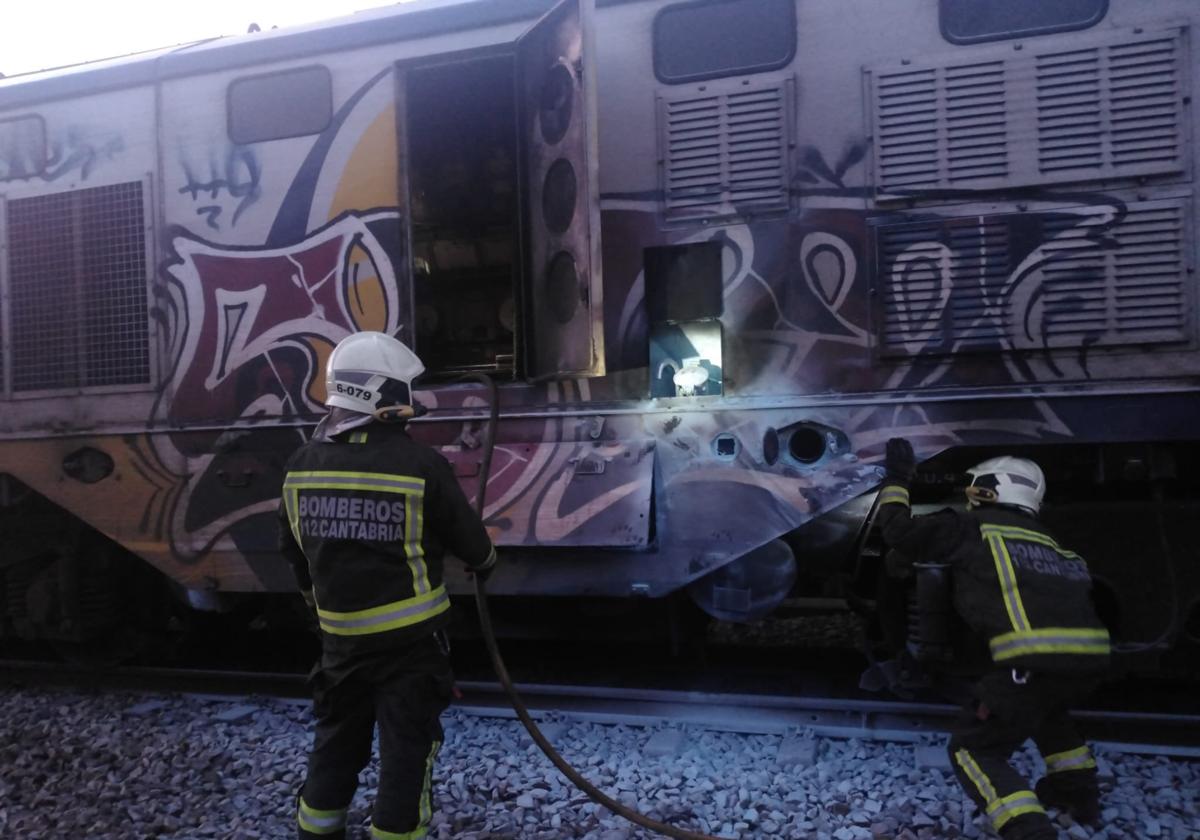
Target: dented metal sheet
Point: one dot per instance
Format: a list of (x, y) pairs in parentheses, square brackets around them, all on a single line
[(579, 494)]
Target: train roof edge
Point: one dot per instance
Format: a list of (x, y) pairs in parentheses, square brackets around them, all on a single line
[(399, 22)]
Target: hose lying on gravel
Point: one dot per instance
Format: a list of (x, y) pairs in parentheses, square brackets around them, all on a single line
[(489, 638)]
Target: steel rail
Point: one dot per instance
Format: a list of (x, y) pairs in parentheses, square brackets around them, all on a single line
[(899, 721), (834, 717)]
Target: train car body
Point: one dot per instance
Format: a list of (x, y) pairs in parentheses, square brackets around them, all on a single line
[(715, 252)]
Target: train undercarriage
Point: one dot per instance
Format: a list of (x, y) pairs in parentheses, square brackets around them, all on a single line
[(1129, 509)]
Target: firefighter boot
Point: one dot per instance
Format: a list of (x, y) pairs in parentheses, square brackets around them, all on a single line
[(1080, 801)]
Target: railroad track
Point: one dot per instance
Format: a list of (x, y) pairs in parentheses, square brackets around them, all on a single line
[(833, 717), (900, 720)]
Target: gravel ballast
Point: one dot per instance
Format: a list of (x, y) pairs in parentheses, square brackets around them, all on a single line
[(131, 766)]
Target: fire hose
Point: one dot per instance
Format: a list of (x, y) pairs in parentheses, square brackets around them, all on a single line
[(489, 638)]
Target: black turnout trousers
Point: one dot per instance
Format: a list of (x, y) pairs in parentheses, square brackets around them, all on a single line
[(404, 692), (1005, 713)]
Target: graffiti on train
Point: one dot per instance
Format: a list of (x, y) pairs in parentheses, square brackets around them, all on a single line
[(250, 328), (28, 151), (227, 189)]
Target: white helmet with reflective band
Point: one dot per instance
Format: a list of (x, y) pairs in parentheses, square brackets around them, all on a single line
[(1007, 480), (369, 371)]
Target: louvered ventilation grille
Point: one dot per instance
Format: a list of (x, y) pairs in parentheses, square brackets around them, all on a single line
[(1059, 280), (1111, 107), (976, 113), (941, 126), (1143, 102), (725, 154), (1109, 110), (77, 284), (907, 134), (1130, 294), (1069, 122)]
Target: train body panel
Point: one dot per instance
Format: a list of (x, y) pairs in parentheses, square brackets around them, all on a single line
[(854, 225)]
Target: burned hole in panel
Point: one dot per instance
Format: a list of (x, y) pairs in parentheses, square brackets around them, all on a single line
[(462, 171), (684, 302), (806, 445)]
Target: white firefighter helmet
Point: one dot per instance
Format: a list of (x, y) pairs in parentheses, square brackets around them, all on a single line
[(368, 371), (1007, 480)]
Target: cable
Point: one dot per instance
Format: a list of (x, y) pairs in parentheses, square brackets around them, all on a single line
[(489, 638)]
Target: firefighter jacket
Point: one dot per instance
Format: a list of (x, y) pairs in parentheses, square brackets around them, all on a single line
[(1012, 582), (365, 519)]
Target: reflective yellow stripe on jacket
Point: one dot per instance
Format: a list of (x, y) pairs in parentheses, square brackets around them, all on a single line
[(1026, 534), (1025, 640), (413, 489), (1049, 640), (386, 617), (894, 494), (1007, 576)]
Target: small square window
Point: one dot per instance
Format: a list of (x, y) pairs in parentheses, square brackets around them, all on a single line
[(275, 106)]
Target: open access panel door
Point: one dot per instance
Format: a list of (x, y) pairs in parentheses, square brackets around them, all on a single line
[(557, 93), (500, 198)]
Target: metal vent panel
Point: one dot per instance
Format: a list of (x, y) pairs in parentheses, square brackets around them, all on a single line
[(1069, 118), (1131, 294), (976, 122), (907, 130), (1112, 106), (941, 126), (77, 277), (1077, 277), (1111, 111), (725, 154)]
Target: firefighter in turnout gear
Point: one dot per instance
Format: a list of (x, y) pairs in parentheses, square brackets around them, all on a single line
[(365, 518), (1031, 599)]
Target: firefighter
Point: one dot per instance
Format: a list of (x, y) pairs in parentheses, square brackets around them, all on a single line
[(365, 518), (1031, 599)]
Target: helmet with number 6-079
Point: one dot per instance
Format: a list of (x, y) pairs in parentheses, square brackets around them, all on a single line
[(370, 371)]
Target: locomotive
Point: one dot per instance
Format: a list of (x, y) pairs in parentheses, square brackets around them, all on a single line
[(714, 252)]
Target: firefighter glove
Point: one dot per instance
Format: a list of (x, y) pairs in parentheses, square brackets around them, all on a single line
[(901, 464)]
